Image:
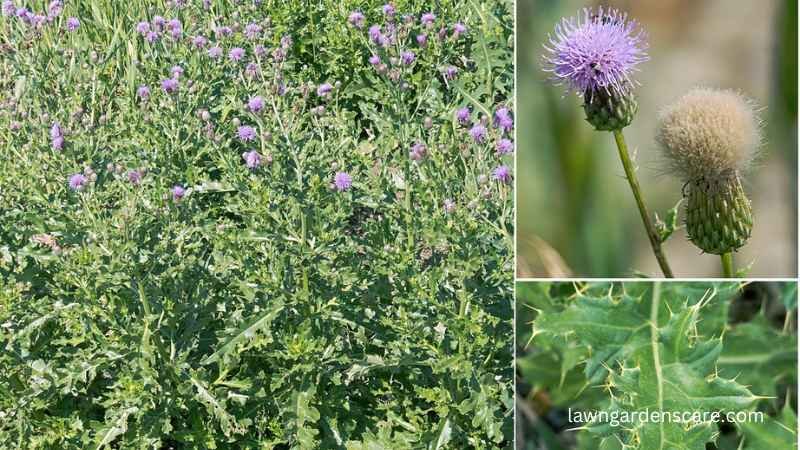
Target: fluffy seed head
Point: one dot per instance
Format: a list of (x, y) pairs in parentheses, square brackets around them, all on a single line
[(598, 49), (709, 133)]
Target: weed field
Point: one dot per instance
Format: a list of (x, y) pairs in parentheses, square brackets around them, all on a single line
[(256, 224)]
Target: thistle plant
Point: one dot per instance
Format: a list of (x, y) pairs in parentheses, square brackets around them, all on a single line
[(709, 138), (595, 55)]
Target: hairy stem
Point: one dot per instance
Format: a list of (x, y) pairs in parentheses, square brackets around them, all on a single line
[(630, 174), (727, 265)]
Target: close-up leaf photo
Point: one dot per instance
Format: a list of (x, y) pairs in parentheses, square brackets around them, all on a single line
[(660, 139), (656, 365), (256, 224)]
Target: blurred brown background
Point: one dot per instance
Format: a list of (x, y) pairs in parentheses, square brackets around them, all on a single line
[(576, 214)]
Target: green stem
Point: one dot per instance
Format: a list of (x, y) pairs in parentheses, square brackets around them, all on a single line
[(630, 174), (727, 265)]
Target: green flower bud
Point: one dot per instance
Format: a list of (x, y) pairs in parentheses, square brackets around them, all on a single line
[(609, 111), (719, 218)]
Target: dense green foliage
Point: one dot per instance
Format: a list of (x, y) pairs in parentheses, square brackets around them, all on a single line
[(672, 347), (264, 309)]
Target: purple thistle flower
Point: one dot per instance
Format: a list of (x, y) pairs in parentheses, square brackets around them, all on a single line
[(459, 29), (598, 50), (176, 71), (56, 137), (418, 151), (169, 85), (251, 70), (427, 19), (356, 19), (342, 181), (422, 39), (142, 27), (478, 133), (324, 89), (502, 174), (8, 8), (255, 104), (252, 30), (38, 21), (55, 131), (252, 159), (143, 92), (376, 35), (175, 27), (22, 13), (286, 42), (57, 143), (178, 192), (260, 51), (463, 115), (199, 41), (503, 120), (135, 177), (159, 22), (246, 133), (504, 146), (222, 31), (236, 54), (450, 72), (77, 182), (55, 8), (152, 36), (408, 58), (73, 23), (215, 52), (389, 10), (374, 60)]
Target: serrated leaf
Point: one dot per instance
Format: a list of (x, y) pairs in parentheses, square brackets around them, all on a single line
[(245, 333)]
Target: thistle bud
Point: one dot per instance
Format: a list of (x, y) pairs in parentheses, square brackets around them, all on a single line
[(609, 110), (719, 218), (709, 138)]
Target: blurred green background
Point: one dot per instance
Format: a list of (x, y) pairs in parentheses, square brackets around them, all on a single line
[(576, 214)]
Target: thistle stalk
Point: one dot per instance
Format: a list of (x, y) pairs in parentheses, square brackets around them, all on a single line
[(630, 174), (727, 265)]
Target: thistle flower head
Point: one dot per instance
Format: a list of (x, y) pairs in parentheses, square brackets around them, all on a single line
[(478, 133), (502, 174), (503, 119), (342, 181), (252, 159), (709, 133), (463, 115), (236, 54), (252, 30), (135, 177), (246, 133), (178, 192), (504, 146), (199, 41), (142, 27), (256, 104), (169, 85), (356, 19), (77, 181), (215, 52), (73, 23), (598, 49), (324, 89)]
